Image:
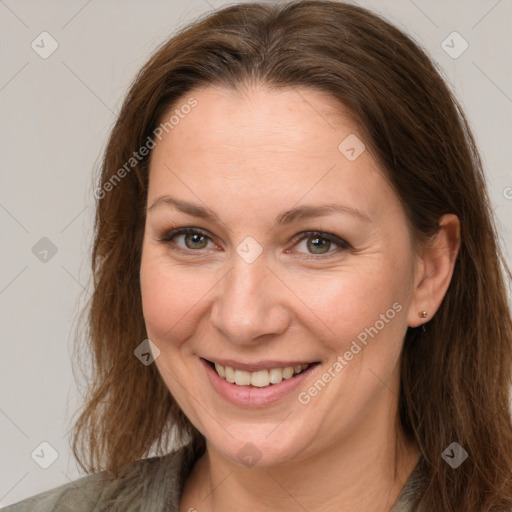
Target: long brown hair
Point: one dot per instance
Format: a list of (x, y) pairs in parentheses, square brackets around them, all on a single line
[(456, 374)]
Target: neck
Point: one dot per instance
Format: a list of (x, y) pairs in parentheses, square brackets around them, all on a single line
[(365, 472)]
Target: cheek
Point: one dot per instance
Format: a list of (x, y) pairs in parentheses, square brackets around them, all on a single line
[(363, 324), (169, 296), (346, 302)]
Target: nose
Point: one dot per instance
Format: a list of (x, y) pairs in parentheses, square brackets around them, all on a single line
[(251, 303)]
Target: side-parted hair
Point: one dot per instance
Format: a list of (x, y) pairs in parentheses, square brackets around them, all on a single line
[(456, 374)]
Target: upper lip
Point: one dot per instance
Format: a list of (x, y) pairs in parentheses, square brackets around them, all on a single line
[(257, 365)]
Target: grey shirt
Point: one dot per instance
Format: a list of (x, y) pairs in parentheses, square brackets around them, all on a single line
[(151, 485)]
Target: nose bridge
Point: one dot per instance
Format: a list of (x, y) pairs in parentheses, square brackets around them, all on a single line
[(248, 306)]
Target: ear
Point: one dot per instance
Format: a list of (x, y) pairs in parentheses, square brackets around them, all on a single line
[(434, 270)]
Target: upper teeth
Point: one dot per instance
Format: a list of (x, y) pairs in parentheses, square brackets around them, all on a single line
[(261, 378)]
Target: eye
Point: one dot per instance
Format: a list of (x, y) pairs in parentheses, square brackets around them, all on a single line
[(317, 243), (320, 243), (192, 239)]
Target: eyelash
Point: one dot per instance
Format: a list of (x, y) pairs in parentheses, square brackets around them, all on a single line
[(167, 239)]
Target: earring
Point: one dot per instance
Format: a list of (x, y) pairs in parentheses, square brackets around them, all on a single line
[(423, 314)]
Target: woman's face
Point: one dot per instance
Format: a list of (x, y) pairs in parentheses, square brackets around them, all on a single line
[(248, 288)]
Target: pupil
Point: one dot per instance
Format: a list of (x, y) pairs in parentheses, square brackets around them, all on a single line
[(322, 244), (196, 239)]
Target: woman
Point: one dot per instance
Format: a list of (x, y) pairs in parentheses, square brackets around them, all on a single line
[(297, 281)]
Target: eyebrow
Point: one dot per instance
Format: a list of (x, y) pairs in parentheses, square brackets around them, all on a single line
[(283, 218)]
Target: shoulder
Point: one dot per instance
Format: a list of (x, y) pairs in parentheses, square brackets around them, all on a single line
[(148, 484), (55, 499), (410, 499)]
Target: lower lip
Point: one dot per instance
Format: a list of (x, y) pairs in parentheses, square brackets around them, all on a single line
[(253, 396)]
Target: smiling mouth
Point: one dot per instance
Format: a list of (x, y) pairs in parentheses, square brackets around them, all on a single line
[(260, 378)]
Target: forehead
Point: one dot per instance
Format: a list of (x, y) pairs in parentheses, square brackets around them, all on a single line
[(246, 144), (285, 118)]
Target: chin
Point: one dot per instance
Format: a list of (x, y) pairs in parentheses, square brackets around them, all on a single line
[(253, 446)]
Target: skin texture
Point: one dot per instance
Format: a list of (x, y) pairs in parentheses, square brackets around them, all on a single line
[(248, 156)]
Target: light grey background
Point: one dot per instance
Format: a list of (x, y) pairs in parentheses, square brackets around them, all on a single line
[(56, 115)]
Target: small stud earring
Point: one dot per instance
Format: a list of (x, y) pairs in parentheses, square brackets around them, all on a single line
[(422, 314)]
